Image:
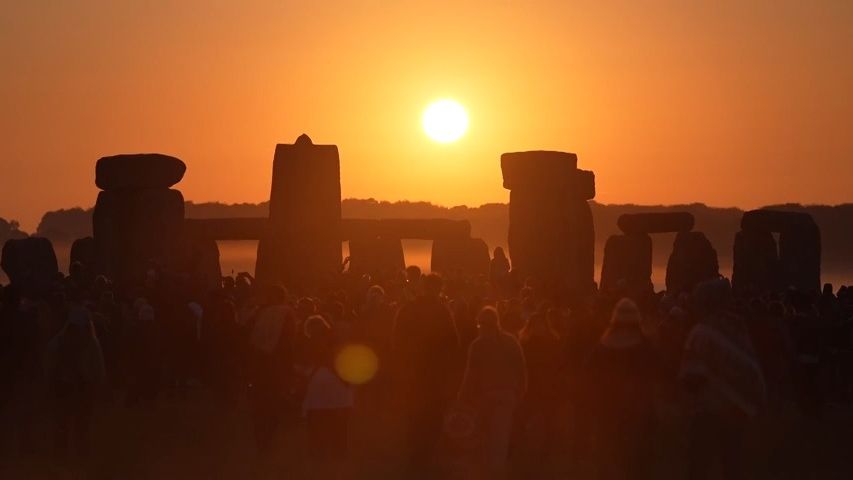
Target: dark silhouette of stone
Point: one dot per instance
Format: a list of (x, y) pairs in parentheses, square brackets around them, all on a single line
[(469, 256), (550, 236), (30, 263), (759, 266), (83, 252), (142, 170), (627, 264), (264, 267), (303, 245), (655, 222), (134, 227), (203, 261), (547, 169), (376, 256), (423, 229), (774, 220), (584, 187), (693, 260), (799, 256), (584, 245), (756, 262)]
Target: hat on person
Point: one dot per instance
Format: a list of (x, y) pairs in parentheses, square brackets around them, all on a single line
[(624, 330)]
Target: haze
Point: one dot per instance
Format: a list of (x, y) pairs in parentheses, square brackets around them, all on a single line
[(731, 103)]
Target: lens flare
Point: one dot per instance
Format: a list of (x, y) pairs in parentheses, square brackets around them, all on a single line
[(356, 364)]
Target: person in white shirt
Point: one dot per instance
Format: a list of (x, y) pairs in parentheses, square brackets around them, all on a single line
[(328, 399)]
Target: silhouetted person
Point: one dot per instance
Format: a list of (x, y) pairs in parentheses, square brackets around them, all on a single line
[(20, 364), (426, 345), (75, 371), (546, 361), (375, 322), (499, 273), (413, 287), (327, 403), (144, 354), (622, 371), (494, 383), (220, 335), (721, 404), (271, 359)]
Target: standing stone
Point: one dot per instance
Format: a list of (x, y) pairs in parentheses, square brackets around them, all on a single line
[(550, 229), (756, 262), (134, 228), (469, 256), (799, 257), (627, 264), (30, 263), (138, 220), (693, 260), (203, 262), (303, 246), (584, 246)]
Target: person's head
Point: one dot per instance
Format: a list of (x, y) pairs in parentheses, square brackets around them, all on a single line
[(75, 271), (144, 311), (228, 282), (242, 282), (316, 326), (488, 321), (625, 326), (334, 311), (413, 274), (432, 285), (151, 277), (375, 295), (827, 290), (101, 283), (306, 307), (276, 295), (107, 299)]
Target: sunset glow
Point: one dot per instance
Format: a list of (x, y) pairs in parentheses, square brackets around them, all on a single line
[(445, 121), (647, 97)]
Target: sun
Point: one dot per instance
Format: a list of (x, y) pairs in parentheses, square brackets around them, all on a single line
[(445, 121)]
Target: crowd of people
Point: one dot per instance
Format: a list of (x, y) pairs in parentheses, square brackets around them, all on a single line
[(490, 377)]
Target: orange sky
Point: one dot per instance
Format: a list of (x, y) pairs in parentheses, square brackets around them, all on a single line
[(732, 103)]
